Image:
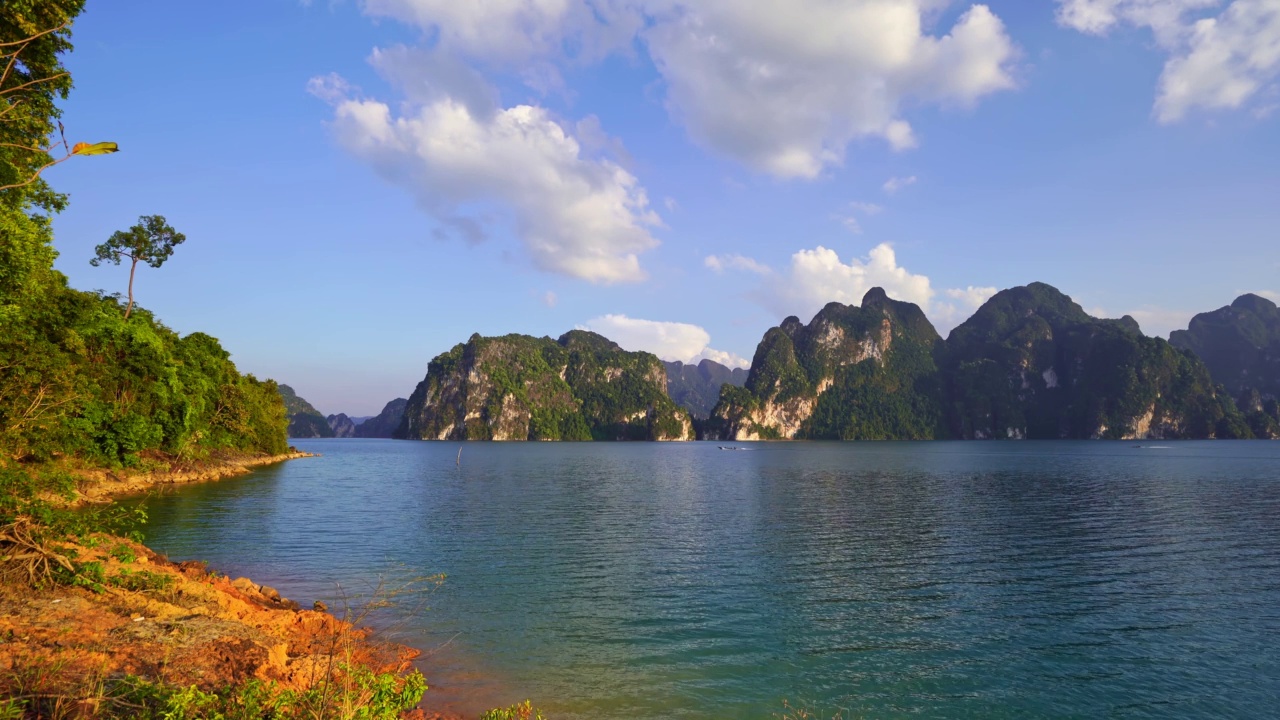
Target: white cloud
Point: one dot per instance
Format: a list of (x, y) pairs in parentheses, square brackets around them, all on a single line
[(549, 299), (818, 276), (782, 86), (1272, 296), (577, 214), (719, 263), (971, 297), (894, 184), (1217, 60), (518, 31), (668, 340), (946, 315), (728, 359)]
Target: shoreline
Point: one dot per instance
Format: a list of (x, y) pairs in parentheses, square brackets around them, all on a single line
[(186, 624), (178, 625), (101, 487)]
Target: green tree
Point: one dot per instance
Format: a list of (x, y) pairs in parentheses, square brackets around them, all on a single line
[(150, 241)]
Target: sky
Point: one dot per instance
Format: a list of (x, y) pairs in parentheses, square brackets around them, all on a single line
[(365, 183)]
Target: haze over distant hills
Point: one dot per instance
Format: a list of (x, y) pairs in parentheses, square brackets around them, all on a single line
[(696, 388)]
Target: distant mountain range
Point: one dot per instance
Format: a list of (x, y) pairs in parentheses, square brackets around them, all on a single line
[(696, 388), (1029, 364)]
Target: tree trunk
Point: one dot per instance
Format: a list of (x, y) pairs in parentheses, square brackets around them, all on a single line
[(132, 269)]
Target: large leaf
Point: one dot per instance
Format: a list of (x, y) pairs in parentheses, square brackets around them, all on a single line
[(102, 148)]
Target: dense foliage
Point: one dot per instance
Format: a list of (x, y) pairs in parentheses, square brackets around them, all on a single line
[(81, 384), (1240, 344), (516, 387), (1029, 364), (853, 373), (304, 420)]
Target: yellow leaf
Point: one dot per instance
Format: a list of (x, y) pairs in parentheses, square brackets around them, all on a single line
[(101, 148)]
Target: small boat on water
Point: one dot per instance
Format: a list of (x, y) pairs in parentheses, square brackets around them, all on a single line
[(722, 447)]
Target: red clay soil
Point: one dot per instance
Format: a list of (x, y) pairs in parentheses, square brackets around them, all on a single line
[(199, 629)]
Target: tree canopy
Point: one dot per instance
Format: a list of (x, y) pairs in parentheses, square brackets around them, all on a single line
[(151, 241)]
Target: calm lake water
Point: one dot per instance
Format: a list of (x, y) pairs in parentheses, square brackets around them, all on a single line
[(937, 580)]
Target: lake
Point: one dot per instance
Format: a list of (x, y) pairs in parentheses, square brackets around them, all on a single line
[(932, 580)]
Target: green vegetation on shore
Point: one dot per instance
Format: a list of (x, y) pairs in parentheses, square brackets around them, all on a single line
[(86, 383)]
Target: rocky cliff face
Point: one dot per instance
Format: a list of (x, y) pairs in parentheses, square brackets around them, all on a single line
[(696, 388), (516, 387), (1240, 344), (304, 420), (341, 425), (1032, 364), (852, 373), (385, 423)]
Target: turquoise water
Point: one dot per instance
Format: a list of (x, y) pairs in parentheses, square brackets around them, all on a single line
[(935, 580)]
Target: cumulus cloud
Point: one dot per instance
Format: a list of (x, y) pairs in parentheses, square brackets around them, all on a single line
[(518, 31), (782, 86), (469, 163), (894, 184), (818, 276), (960, 306), (668, 340), (1218, 58)]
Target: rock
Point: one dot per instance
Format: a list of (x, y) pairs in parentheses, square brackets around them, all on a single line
[(269, 593), (319, 606), (516, 387)]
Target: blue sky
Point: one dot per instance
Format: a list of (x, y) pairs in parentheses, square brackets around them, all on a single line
[(364, 184)]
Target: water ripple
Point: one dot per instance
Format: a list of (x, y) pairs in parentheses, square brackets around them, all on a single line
[(933, 580)]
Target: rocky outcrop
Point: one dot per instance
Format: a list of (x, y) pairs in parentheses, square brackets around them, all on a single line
[(341, 425), (852, 373), (517, 387), (304, 420), (696, 388), (384, 424), (1240, 344), (1032, 363)]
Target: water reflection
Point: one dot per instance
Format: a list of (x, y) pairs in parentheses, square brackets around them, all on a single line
[(659, 581)]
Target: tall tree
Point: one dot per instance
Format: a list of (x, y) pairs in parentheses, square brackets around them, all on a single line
[(151, 241)]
